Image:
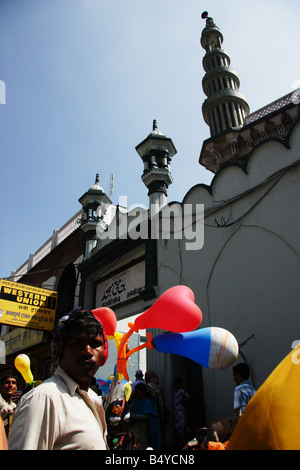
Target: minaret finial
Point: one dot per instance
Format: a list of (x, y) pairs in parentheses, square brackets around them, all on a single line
[(97, 180), (154, 125), (209, 20)]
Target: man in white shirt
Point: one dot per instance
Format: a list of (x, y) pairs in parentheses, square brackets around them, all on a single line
[(64, 412)]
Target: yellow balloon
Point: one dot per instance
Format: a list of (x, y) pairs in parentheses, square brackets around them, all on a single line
[(118, 335), (128, 391), (22, 364)]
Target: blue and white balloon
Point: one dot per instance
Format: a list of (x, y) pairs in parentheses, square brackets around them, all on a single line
[(212, 347)]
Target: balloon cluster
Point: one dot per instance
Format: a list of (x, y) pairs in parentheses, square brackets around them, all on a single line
[(174, 311)]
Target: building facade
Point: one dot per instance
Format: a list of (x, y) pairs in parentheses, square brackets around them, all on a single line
[(245, 275)]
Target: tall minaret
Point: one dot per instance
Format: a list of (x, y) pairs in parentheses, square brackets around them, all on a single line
[(94, 206), (225, 107), (156, 152)]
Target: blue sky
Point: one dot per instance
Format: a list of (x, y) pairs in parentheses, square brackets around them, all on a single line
[(84, 80)]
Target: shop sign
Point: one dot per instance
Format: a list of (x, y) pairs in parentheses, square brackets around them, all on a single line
[(122, 287), (27, 306), (20, 339)]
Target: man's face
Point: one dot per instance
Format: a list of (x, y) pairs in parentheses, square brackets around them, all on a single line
[(9, 388), (237, 378), (82, 356)]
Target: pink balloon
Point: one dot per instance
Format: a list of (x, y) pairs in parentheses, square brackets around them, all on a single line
[(175, 310), (108, 319)]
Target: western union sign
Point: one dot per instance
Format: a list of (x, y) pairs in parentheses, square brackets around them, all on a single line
[(27, 306)]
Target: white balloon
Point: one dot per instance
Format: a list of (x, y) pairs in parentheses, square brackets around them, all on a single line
[(224, 349)]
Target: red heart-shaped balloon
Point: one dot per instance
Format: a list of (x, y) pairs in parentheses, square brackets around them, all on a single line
[(175, 310), (107, 317)]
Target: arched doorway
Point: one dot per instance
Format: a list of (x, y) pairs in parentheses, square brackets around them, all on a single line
[(66, 292)]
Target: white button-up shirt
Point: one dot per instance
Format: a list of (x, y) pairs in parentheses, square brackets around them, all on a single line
[(58, 415)]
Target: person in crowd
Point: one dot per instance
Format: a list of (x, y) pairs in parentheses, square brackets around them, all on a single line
[(138, 379), (63, 412), (142, 409), (156, 395), (244, 390), (179, 414), (8, 388)]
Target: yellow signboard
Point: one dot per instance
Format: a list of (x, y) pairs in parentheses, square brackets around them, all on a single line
[(27, 306)]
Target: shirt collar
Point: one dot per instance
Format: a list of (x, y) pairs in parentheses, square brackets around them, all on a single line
[(70, 383), (245, 382)]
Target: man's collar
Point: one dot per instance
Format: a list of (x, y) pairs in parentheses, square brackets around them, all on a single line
[(70, 383)]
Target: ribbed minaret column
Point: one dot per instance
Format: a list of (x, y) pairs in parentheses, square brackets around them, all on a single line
[(225, 107)]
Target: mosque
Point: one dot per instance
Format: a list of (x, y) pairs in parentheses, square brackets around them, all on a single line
[(239, 253)]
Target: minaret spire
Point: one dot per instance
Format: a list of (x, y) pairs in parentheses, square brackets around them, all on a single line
[(156, 151), (225, 107), (94, 205)]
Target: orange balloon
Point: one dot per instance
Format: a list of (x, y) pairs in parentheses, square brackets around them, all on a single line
[(175, 310)]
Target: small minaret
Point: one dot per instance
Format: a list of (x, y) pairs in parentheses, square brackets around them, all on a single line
[(94, 203), (225, 107), (156, 151)]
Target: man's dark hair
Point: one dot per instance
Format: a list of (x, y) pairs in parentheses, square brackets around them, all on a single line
[(243, 369), (84, 321)]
